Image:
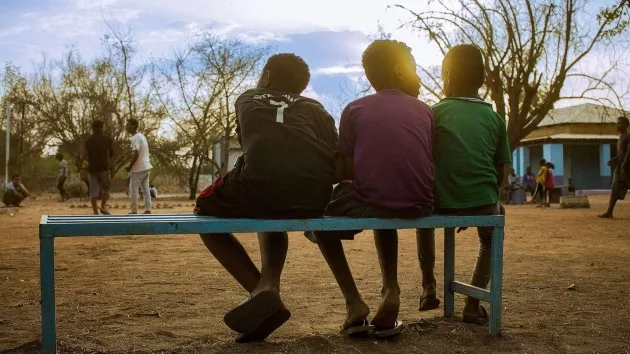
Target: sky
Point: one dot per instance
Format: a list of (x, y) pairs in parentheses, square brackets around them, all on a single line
[(329, 34)]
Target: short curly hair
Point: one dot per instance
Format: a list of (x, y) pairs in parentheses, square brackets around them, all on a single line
[(465, 65), (289, 73), (380, 58), (624, 120)]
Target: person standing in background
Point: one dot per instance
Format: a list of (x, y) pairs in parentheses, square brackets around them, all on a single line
[(621, 165), (99, 151), (140, 167), (63, 175)]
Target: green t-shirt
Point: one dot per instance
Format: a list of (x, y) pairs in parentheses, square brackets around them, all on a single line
[(470, 139)]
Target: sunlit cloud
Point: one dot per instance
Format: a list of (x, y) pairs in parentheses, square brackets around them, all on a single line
[(339, 70)]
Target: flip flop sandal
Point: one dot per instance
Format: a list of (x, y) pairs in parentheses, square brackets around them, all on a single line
[(266, 328), (252, 312), (429, 303), (383, 333), (359, 329), (480, 320)]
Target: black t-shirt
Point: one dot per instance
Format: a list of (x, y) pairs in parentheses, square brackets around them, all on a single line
[(99, 150), (287, 169)]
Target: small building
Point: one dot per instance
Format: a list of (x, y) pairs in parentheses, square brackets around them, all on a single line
[(217, 154), (578, 140)]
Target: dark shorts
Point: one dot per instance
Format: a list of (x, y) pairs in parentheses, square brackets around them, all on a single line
[(100, 183), (343, 203), (619, 186), (485, 233), (228, 198)]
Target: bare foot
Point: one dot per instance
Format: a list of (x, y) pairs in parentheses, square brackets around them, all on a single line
[(473, 310), (605, 216), (357, 313), (429, 300), (387, 313)]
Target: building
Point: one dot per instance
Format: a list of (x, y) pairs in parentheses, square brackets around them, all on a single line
[(578, 140), (217, 155)]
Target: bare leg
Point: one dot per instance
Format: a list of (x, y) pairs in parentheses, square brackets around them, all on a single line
[(94, 205), (611, 206), (425, 241), (332, 249), (104, 199), (481, 274), (387, 248), (273, 253), (233, 257)]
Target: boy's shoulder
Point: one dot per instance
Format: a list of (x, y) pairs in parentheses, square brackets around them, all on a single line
[(265, 96), (382, 97), (467, 106)]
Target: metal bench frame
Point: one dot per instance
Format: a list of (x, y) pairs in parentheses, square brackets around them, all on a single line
[(52, 227)]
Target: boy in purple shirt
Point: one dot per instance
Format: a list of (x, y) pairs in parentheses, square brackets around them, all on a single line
[(386, 168)]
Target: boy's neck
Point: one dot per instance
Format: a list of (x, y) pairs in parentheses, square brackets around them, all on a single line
[(464, 93)]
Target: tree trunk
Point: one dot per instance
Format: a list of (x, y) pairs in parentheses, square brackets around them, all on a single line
[(225, 152), (197, 173), (191, 180)]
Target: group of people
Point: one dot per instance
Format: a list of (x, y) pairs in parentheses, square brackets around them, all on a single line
[(539, 185), (393, 157), (99, 153), (95, 172)]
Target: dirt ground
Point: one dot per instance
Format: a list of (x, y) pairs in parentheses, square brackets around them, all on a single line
[(168, 294)]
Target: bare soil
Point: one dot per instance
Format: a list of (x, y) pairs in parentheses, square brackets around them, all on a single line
[(168, 294)]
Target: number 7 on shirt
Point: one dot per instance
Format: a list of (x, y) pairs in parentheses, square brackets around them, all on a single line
[(280, 111)]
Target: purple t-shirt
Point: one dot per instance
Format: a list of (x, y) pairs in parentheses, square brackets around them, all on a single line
[(389, 135)]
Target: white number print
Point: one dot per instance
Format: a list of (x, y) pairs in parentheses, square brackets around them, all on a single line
[(280, 111)]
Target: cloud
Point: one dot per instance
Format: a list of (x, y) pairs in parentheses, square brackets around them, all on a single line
[(311, 93), (339, 70)]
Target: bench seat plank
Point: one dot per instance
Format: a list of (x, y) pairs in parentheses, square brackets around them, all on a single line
[(161, 224)]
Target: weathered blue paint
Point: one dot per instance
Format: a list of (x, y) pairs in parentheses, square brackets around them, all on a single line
[(65, 226), (521, 160), (165, 224), (496, 281), (604, 157), (555, 153), (47, 283), (449, 271), (472, 291)]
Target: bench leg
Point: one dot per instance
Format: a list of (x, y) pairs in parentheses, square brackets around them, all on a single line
[(47, 281), (449, 272), (496, 282)]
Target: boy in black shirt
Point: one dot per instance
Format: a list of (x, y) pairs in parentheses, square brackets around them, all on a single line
[(286, 171)]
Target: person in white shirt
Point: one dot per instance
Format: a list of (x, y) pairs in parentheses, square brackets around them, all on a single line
[(14, 192), (139, 166)]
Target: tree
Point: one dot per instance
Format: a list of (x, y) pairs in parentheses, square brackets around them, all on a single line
[(532, 48), (68, 94), (28, 137), (197, 90)]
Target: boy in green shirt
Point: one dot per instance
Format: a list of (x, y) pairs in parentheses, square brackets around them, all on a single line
[(470, 150)]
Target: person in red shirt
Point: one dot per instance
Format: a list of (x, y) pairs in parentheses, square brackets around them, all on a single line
[(549, 183)]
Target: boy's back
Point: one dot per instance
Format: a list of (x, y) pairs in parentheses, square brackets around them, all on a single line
[(389, 136), (470, 140)]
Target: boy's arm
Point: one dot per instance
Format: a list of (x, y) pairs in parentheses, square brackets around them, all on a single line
[(347, 137), (343, 168), (502, 156), (625, 165), (135, 154)]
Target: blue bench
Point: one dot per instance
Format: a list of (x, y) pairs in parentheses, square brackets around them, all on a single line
[(52, 227)]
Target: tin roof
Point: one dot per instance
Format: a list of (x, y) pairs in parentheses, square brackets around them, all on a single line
[(558, 137), (588, 113)]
